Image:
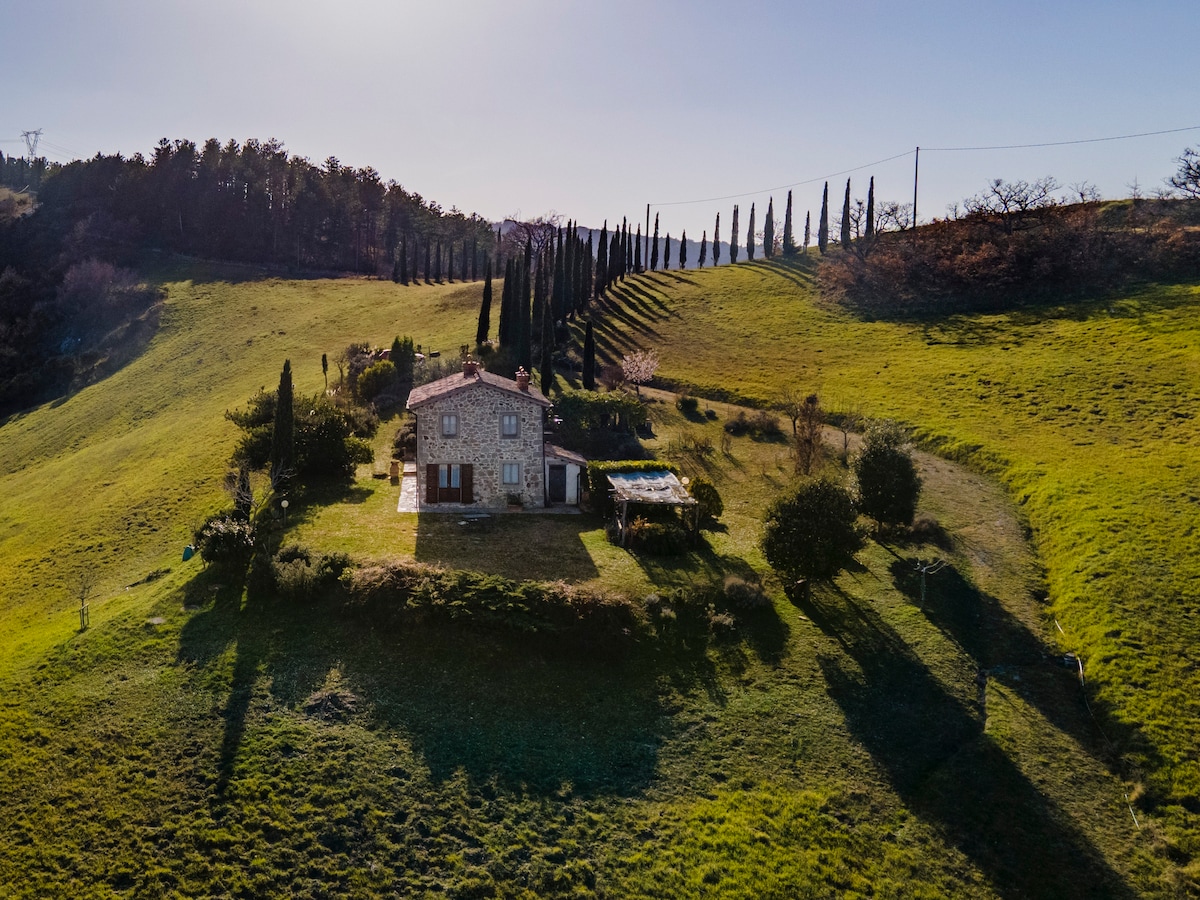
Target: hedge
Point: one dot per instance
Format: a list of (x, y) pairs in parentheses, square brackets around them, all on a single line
[(417, 593)]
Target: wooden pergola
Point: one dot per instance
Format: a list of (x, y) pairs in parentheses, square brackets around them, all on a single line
[(657, 488)]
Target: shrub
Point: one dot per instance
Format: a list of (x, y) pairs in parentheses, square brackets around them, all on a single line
[(888, 484), (226, 540), (377, 379), (405, 440), (810, 531), (708, 499), (657, 538), (689, 406), (743, 594), (720, 624), (761, 425)]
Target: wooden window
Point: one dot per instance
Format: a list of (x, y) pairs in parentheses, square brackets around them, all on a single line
[(510, 473), (449, 425), (510, 425)]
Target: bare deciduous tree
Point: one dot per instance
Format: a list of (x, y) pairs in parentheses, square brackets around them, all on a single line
[(1187, 178), (1011, 202), (808, 438), (893, 216)]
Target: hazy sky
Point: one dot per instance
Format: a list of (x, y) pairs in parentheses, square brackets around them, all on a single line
[(595, 109)]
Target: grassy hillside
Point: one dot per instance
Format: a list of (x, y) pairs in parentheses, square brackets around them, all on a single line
[(116, 477), (1087, 412), (860, 745)]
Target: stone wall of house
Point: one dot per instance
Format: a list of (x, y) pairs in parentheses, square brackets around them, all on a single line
[(479, 443)]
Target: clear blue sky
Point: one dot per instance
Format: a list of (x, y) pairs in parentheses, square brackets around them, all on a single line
[(595, 109)]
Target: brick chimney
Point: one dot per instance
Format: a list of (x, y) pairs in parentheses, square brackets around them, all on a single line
[(470, 367), (522, 379)]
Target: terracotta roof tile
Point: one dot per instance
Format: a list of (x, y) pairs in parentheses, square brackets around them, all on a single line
[(452, 384)]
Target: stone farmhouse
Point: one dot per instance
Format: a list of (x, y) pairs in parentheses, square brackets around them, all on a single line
[(480, 440)]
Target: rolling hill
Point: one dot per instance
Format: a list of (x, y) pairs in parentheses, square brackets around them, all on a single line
[(860, 746)]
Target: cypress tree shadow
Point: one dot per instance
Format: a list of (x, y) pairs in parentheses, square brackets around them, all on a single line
[(996, 640), (932, 748)]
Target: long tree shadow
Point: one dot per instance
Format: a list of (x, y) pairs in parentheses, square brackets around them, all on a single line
[(206, 637), (933, 749), (996, 640)]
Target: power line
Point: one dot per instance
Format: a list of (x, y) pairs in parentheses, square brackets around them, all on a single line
[(1118, 137), (877, 162)]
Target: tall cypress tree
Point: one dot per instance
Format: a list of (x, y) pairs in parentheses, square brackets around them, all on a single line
[(637, 251), (870, 227), (602, 262), (557, 290), (568, 298), (589, 358), (541, 288), (524, 300), (624, 247), (654, 246), (807, 230), (769, 230), (629, 252), (667, 253), (683, 251), (546, 363), (750, 236), (588, 270), (614, 258), (823, 222), (703, 249), (789, 238), (717, 241), (283, 429), (505, 332), (846, 218), (733, 240), (485, 308)]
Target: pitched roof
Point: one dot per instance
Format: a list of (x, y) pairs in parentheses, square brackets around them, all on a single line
[(565, 455), (459, 381)]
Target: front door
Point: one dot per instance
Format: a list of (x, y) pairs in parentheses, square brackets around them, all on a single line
[(449, 483), (558, 484)]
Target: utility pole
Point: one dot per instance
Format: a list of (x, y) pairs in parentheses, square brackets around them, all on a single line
[(931, 568), (31, 142), (916, 170)]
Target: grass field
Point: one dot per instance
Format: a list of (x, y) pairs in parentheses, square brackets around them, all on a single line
[(860, 745)]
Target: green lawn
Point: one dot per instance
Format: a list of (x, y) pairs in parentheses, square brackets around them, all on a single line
[(859, 745)]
